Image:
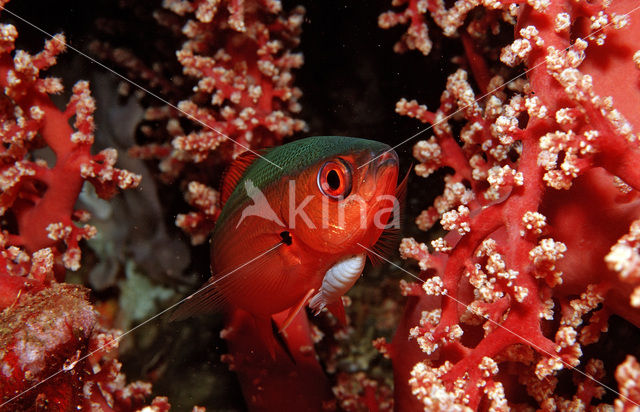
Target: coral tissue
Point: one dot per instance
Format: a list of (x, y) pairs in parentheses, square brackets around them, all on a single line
[(54, 354), (540, 203)]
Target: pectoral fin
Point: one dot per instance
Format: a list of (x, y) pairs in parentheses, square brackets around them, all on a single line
[(214, 294)]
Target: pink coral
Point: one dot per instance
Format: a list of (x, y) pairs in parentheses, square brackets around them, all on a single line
[(542, 188), (41, 198), (54, 353), (241, 55), (628, 376)]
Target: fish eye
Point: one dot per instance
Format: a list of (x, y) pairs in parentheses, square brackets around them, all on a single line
[(334, 179)]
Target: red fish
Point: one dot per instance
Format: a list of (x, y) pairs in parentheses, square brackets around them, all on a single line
[(299, 233)]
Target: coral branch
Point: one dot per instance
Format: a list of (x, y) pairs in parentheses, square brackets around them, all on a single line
[(54, 354), (533, 155)]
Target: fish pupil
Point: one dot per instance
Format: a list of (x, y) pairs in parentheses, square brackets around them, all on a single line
[(333, 180)]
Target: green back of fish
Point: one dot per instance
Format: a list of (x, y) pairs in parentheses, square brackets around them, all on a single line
[(292, 158)]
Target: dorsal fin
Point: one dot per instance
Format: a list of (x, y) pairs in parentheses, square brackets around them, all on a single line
[(234, 173)]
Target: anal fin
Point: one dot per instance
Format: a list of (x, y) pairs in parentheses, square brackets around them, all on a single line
[(280, 339), (267, 335)]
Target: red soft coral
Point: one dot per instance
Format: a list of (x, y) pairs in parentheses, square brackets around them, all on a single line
[(40, 198), (55, 356), (543, 185), (241, 55), (53, 352)]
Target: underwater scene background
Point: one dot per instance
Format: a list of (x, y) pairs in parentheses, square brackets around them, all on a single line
[(515, 283)]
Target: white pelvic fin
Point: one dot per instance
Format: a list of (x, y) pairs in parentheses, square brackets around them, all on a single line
[(337, 281)]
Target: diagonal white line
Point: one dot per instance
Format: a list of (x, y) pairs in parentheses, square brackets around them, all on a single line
[(469, 308), (63, 369), (138, 86), (488, 93)]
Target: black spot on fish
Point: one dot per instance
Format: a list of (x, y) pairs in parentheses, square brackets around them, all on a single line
[(286, 238)]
